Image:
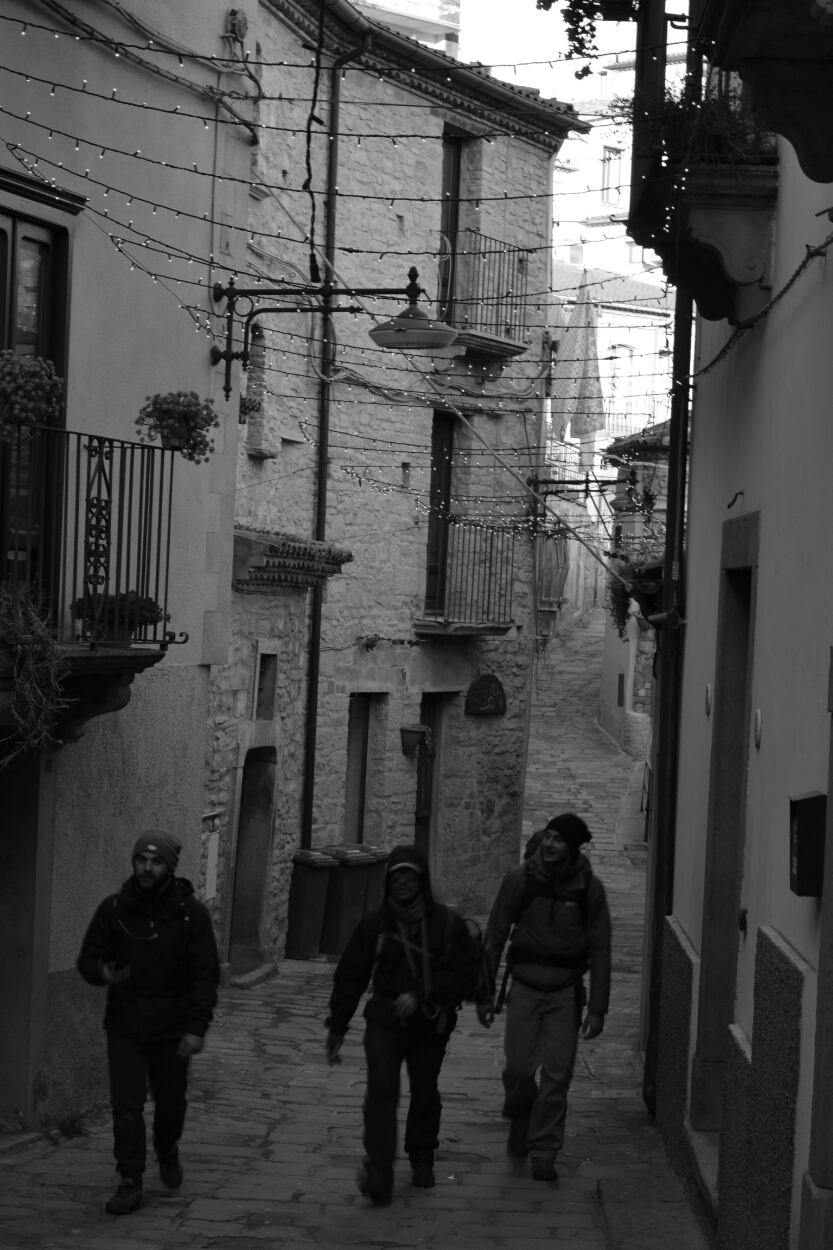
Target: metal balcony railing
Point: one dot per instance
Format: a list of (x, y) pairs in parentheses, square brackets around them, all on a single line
[(563, 458), (85, 527), (473, 581), (483, 285)]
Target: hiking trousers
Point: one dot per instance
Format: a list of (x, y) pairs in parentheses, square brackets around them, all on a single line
[(133, 1065), (423, 1053), (541, 1032)]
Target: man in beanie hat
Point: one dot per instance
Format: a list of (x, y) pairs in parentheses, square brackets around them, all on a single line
[(561, 928), (153, 946), (423, 962)]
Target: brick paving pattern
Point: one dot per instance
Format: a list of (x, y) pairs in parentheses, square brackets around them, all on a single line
[(272, 1139)]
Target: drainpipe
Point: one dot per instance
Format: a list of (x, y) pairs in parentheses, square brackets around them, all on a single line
[(660, 901), (327, 360)]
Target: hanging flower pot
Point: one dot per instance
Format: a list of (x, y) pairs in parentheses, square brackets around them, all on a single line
[(181, 421), (30, 393)]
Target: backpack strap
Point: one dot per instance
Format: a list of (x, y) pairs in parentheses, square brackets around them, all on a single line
[(529, 895)]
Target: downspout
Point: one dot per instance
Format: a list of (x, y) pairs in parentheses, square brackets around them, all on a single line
[(660, 901), (327, 361)]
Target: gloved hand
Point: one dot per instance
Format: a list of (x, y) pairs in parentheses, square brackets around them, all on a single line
[(333, 1045), (486, 1013), (405, 1005)]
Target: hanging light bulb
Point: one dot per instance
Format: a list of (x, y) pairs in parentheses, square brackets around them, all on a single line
[(413, 329)]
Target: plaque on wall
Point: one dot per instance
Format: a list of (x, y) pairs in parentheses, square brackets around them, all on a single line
[(485, 697)]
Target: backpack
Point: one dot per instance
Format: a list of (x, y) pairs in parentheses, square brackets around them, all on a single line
[(533, 890), (484, 990)]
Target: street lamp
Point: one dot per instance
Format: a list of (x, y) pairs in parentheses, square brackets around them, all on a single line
[(411, 329)]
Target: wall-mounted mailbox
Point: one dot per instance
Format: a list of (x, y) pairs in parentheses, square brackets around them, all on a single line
[(808, 818)]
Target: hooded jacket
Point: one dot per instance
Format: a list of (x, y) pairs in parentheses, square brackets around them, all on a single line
[(453, 963), (167, 941), (558, 934)]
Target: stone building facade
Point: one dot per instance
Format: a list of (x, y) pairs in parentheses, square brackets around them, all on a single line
[(426, 566)]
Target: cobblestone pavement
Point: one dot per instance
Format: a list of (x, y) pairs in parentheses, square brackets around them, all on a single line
[(272, 1139)]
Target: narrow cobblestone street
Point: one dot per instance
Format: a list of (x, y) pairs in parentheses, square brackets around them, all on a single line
[(272, 1138)]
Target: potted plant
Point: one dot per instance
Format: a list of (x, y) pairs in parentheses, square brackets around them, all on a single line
[(30, 393), (181, 420), (115, 618), (31, 675)]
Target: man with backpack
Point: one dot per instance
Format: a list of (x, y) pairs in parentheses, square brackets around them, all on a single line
[(561, 928), (153, 946), (422, 962)]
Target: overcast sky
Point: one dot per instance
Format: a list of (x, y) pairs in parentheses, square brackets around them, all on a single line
[(514, 31)]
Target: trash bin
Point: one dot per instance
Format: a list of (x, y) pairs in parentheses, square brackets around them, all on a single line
[(376, 877), (311, 874), (345, 896)]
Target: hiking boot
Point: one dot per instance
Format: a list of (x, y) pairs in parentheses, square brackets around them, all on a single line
[(170, 1168), (373, 1186), (422, 1166), (516, 1146), (544, 1170), (127, 1198)]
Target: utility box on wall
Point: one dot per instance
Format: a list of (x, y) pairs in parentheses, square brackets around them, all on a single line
[(808, 819)]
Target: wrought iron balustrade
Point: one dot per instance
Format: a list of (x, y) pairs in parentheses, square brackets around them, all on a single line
[(472, 583), (85, 527), (483, 285)]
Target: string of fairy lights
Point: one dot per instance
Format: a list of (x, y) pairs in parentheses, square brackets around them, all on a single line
[(158, 247)]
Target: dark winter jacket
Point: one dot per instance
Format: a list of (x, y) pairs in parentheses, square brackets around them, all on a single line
[(168, 943), (454, 966), (564, 930)]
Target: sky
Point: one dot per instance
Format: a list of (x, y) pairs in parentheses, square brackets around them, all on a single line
[(504, 35)]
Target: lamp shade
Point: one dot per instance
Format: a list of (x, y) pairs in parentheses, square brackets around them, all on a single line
[(413, 330)]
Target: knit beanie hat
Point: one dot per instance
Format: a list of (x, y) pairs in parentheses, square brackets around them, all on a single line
[(159, 843), (572, 829)]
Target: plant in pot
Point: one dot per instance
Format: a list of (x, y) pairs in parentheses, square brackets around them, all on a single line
[(31, 674), (30, 393), (116, 618), (181, 421)]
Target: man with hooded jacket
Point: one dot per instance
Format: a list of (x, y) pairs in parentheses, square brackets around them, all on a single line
[(561, 928), (422, 962), (153, 946)]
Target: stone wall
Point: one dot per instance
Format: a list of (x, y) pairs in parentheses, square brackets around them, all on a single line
[(378, 481), (279, 619)]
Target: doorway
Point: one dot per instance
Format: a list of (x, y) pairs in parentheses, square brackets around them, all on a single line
[(252, 859), (725, 837), (430, 715)]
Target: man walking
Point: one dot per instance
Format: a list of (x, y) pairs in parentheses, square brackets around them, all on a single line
[(153, 946), (561, 928), (422, 962)]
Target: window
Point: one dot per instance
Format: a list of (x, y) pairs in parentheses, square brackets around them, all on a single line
[(576, 253), (267, 673), (366, 728), (449, 222), (32, 287), (30, 277), (611, 174), (442, 447)]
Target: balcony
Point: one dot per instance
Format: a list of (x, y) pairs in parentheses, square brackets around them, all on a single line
[(85, 526), (483, 287), (469, 582)]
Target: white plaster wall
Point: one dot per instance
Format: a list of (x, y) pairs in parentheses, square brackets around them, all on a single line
[(761, 425)]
